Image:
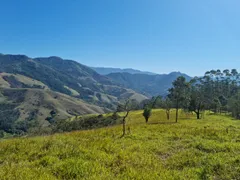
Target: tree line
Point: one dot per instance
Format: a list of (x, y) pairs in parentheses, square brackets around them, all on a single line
[(217, 91)]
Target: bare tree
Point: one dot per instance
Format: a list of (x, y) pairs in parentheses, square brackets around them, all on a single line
[(126, 107)]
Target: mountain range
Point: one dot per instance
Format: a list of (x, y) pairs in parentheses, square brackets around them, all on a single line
[(51, 87), (149, 85), (106, 71)]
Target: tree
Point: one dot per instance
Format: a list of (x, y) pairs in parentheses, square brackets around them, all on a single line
[(216, 91), (167, 105), (126, 107), (197, 97), (156, 102), (179, 93), (234, 105), (147, 113)]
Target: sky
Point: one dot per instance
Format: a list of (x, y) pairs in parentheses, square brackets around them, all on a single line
[(161, 36)]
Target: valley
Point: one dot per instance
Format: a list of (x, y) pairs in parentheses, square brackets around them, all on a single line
[(35, 92)]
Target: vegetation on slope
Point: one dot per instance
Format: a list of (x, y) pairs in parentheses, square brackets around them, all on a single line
[(216, 90), (64, 76), (191, 149), (8, 80), (150, 85), (23, 109)]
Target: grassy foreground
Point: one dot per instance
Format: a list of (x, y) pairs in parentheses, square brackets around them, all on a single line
[(191, 149)]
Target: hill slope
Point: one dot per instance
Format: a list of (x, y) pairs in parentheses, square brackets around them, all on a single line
[(38, 92), (150, 85), (38, 108), (67, 77), (26, 103), (190, 149)]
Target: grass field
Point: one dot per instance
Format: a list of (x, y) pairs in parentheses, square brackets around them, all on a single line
[(191, 149)]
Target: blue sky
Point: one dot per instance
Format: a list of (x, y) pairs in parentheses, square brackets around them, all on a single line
[(161, 36)]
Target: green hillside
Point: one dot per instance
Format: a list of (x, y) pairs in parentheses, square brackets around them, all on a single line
[(191, 149)]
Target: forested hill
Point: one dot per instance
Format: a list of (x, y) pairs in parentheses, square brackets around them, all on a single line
[(150, 85)]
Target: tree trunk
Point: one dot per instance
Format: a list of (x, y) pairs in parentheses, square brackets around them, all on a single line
[(198, 111), (124, 127), (176, 115), (177, 112), (198, 115), (168, 115), (146, 119)]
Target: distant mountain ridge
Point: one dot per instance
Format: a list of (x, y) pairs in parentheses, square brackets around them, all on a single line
[(149, 85), (106, 71), (36, 93), (49, 88), (144, 82), (69, 88)]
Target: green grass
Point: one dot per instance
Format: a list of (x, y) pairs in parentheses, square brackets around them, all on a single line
[(162, 149)]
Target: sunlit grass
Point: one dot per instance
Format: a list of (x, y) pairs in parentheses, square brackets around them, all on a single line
[(191, 149)]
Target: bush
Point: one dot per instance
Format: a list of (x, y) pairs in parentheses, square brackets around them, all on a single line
[(1, 134), (147, 113), (85, 123)]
